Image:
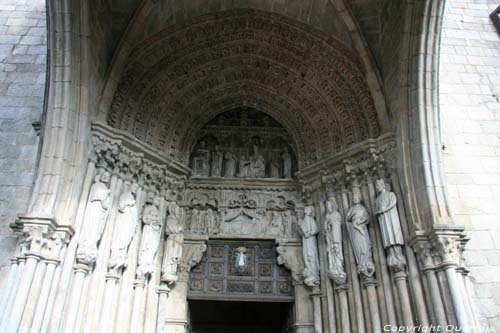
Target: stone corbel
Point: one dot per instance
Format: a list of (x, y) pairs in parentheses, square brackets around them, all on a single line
[(290, 256), (192, 254)]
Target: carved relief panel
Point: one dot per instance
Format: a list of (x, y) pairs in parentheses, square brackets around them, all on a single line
[(240, 270), (256, 212), (243, 143)]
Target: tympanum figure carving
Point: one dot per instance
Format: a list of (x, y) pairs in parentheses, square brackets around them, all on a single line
[(244, 166), (201, 166), (217, 159), (274, 168), (230, 165), (390, 226), (333, 238), (309, 230), (94, 221), (287, 164), (357, 220), (257, 167), (150, 240), (125, 225), (173, 246)]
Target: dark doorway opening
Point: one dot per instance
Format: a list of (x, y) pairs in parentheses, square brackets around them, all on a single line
[(239, 317)]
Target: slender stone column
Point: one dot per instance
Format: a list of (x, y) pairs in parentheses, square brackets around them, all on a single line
[(136, 323), (14, 264), (36, 232), (54, 289), (13, 292), (425, 256), (456, 298), (448, 246), (163, 292), (400, 280), (369, 284), (331, 307), (81, 270), (316, 297), (33, 297), (44, 295), (341, 290), (14, 320), (106, 319)]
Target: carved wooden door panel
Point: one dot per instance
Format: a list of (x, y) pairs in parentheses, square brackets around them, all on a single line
[(256, 278)]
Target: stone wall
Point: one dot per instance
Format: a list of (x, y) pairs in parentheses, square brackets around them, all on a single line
[(470, 110), (23, 57)]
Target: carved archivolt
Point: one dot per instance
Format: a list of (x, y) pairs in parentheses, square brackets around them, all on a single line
[(179, 79)]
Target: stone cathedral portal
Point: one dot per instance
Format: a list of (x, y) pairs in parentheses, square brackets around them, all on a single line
[(235, 157)]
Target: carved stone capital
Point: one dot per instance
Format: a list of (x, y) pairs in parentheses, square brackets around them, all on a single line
[(448, 249), (55, 245), (36, 237), (290, 256), (425, 254)]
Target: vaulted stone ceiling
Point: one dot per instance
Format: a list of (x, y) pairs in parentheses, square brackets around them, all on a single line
[(193, 60)]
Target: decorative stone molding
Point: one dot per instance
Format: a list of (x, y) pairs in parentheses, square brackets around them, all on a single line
[(365, 161), (122, 155)]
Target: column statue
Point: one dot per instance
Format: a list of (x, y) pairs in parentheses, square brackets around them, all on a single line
[(230, 165), (333, 238), (390, 226), (150, 239), (94, 221), (173, 246), (217, 159), (308, 230), (357, 220), (125, 224)]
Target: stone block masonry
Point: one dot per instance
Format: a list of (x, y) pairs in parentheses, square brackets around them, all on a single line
[(23, 59), (469, 86)]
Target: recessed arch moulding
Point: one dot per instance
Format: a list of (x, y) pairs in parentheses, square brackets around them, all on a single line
[(176, 81)]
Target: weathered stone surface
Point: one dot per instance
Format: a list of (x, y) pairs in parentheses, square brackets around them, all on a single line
[(469, 84), (21, 100)]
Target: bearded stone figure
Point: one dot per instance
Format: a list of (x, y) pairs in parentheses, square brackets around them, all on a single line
[(94, 222), (333, 238), (174, 243), (357, 221), (390, 226), (150, 239), (125, 225), (308, 230)]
